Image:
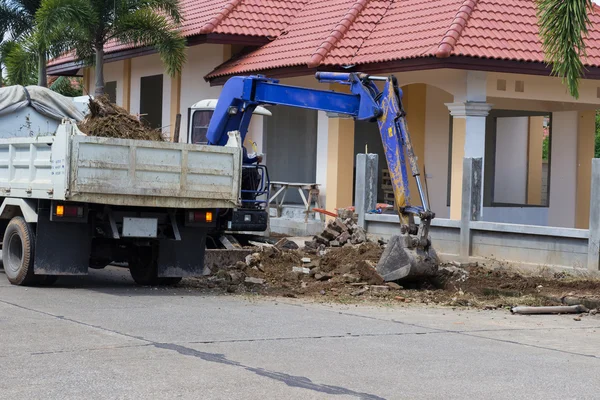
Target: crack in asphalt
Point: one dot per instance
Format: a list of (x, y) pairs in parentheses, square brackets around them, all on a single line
[(290, 380), (471, 333)]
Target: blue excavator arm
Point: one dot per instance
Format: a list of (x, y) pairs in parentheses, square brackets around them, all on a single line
[(241, 95)]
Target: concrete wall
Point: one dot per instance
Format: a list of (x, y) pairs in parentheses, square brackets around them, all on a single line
[(510, 178), (200, 61), (148, 66), (563, 169), (517, 215)]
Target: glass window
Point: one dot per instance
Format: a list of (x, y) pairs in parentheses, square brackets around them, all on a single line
[(200, 121)]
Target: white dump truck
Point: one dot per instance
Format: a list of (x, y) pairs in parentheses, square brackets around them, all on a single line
[(69, 202)]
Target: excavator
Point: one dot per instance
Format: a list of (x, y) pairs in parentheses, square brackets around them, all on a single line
[(409, 255)]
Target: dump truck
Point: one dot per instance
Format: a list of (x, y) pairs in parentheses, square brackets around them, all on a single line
[(70, 202)]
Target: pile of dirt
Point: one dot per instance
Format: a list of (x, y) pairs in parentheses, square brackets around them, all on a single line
[(109, 120), (347, 274)]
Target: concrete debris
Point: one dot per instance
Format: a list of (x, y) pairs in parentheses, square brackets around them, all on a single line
[(285, 244), (254, 281), (394, 286), (252, 259), (359, 291), (301, 270), (339, 233), (379, 288), (305, 260)]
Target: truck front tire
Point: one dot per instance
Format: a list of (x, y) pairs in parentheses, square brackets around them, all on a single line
[(18, 250)]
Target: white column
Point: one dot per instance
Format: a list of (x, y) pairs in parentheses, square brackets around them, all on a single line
[(468, 140)]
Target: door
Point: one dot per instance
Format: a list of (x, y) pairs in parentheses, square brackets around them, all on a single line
[(291, 147), (151, 104)]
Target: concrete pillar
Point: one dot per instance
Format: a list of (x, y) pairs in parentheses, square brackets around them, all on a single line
[(175, 104), (468, 140), (365, 188), (340, 162), (127, 84), (322, 149), (534, 166), (594, 220), (415, 105), (586, 140), (472, 191)]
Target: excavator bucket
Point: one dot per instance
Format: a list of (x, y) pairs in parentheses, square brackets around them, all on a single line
[(403, 261)]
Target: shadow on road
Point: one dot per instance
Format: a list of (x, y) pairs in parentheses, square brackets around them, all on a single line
[(117, 281)]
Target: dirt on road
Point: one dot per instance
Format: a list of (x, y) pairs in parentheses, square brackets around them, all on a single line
[(347, 274)]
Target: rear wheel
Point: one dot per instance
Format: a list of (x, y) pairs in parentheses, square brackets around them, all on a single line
[(143, 267), (18, 249)]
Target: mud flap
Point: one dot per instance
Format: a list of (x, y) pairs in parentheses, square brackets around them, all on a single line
[(61, 248), (185, 257), (400, 261)]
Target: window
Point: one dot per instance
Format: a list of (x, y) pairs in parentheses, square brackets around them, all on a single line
[(517, 158), (200, 121), (110, 88), (151, 94)]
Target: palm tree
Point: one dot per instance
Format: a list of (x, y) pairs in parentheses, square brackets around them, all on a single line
[(21, 63), (17, 17), (563, 27), (89, 25)]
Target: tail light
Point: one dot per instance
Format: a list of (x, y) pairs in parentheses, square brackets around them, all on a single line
[(69, 211), (200, 216)]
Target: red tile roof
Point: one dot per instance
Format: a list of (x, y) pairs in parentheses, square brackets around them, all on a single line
[(263, 18), (353, 32)]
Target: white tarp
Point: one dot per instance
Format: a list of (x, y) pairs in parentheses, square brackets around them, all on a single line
[(43, 100)]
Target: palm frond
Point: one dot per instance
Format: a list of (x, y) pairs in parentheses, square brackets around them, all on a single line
[(171, 8), (145, 27), (563, 28), (64, 13), (13, 19), (21, 65)]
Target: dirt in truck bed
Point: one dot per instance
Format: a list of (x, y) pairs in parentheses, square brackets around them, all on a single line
[(347, 274), (109, 120)]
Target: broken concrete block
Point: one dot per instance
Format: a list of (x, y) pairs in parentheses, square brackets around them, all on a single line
[(379, 288), (329, 234), (254, 281), (334, 243), (235, 277), (305, 260), (394, 286), (339, 226), (301, 270), (368, 273), (285, 244), (359, 291), (349, 278), (344, 237), (321, 240), (311, 244), (323, 276)]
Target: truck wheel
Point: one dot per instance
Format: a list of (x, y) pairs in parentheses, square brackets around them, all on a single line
[(18, 249), (143, 268)]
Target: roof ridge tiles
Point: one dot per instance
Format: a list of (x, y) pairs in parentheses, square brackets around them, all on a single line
[(211, 25), (337, 34), (459, 22)]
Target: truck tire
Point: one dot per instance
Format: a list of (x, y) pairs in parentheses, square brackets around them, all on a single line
[(143, 267), (18, 249)]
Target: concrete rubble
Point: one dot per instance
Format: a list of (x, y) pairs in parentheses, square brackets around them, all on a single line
[(338, 233)]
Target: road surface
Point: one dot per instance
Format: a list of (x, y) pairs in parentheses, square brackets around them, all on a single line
[(101, 337)]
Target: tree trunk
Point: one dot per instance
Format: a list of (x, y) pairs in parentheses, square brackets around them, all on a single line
[(42, 77), (99, 70), (1, 75)]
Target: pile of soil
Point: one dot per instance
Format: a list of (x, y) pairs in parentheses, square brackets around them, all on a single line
[(109, 120), (347, 274)]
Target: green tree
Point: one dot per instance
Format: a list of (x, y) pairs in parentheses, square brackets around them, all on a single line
[(563, 28), (89, 24), (18, 19), (64, 86)]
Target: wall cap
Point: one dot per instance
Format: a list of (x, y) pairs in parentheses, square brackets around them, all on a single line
[(469, 109)]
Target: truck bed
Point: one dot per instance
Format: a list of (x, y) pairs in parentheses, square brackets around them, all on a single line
[(74, 167)]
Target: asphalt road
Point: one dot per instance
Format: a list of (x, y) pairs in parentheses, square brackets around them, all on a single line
[(101, 337)]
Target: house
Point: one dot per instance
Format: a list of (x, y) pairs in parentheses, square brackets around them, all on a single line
[(474, 80)]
